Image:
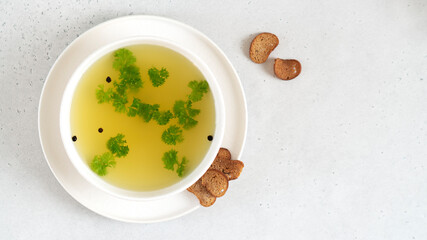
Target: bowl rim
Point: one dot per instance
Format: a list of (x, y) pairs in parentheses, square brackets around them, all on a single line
[(83, 168)]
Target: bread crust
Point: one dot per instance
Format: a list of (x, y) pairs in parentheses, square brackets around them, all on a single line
[(205, 198), (261, 47), (287, 69), (215, 182), (224, 154), (233, 168), (224, 164)]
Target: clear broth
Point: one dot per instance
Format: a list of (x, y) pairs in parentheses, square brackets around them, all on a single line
[(142, 169)]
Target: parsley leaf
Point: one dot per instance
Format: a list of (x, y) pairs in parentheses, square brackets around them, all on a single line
[(181, 166), (134, 107), (180, 111), (100, 163), (119, 102), (172, 135), (163, 117), (198, 89), (144, 110), (130, 77), (120, 88), (170, 159), (191, 111), (123, 58), (185, 113), (157, 76), (147, 111), (102, 95), (117, 145)]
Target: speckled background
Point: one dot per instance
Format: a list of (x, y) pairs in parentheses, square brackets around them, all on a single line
[(338, 153)]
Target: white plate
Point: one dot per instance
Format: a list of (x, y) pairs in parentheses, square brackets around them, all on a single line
[(97, 37)]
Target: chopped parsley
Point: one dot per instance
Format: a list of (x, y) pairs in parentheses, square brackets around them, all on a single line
[(129, 78), (185, 113), (172, 135), (157, 76), (100, 163), (181, 167), (163, 117), (119, 102), (147, 111), (198, 89), (170, 158), (102, 95), (134, 107), (144, 110), (117, 146), (123, 58)]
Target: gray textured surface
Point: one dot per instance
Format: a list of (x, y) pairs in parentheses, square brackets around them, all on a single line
[(338, 153)]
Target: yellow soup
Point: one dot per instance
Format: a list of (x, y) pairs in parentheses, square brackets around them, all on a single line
[(93, 123)]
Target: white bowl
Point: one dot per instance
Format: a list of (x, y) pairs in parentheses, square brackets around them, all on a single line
[(81, 165)]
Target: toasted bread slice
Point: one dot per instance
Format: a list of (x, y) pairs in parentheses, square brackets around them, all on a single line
[(261, 47), (224, 164), (232, 169), (206, 199), (215, 182), (224, 154), (287, 69)]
